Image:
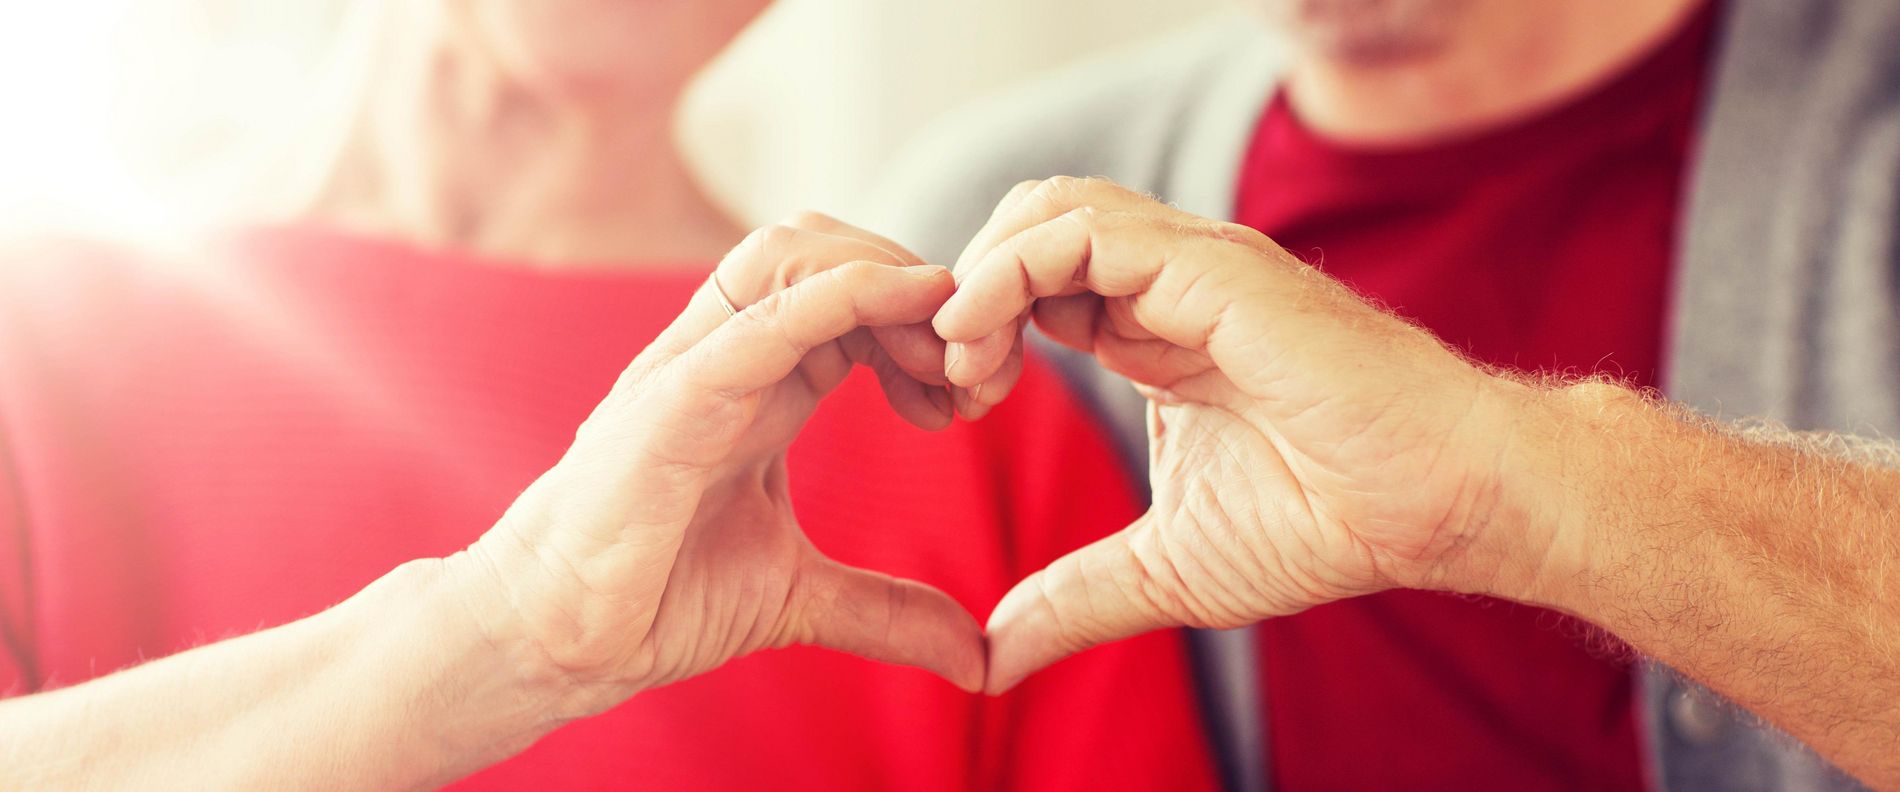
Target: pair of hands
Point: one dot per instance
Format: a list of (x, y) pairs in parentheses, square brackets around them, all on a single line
[(1305, 447)]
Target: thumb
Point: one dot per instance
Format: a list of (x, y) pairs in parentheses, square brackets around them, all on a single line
[(1095, 595), (880, 617)]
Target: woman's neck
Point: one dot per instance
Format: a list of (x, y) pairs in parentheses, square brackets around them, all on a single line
[(587, 187), (476, 164)]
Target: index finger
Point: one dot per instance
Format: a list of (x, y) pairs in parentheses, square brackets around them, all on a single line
[(913, 348), (762, 344), (1179, 280), (1032, 203), (1002, 290), (826, 224), (768, 260), (705, 393)]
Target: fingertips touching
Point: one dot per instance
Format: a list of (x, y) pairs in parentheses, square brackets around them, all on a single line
[(770, 338), (966, 403), (924, 405), (982, 305), (994, 389), (916, 349), (968, 364), (894, 296), (1001, 225)]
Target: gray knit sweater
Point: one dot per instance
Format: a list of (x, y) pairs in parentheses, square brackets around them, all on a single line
[(1787, 303)]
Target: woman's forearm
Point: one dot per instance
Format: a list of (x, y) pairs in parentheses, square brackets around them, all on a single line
[(611, 574), (394, 688)]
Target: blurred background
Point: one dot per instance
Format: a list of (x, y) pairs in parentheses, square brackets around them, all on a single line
[(147, 116)]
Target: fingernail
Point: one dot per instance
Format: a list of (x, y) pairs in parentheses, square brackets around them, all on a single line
[(961, 398), (952, 353), (927, 271)]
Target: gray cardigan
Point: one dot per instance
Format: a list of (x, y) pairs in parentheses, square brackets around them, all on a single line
[(1787, 303)]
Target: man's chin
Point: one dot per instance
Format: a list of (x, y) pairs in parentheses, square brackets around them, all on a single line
[(1367, 32)]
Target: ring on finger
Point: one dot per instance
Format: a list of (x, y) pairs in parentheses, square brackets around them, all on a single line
[(725, 302)]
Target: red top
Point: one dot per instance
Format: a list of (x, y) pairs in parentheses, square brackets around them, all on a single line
[(195, 449), (1542, 245)]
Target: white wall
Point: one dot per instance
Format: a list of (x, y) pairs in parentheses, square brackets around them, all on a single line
[(118, 110), (109, 109)]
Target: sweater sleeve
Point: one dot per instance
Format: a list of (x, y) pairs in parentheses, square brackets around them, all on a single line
[(1119, 716)]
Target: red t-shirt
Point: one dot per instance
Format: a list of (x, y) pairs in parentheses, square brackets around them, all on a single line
[(194, 449), (1543, 245)]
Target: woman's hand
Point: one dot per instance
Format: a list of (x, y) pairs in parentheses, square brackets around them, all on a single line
[(1304, 446), (664, 544), (659, 546)]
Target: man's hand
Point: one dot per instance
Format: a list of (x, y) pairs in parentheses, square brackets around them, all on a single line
[(1305, 446), (664, 542)]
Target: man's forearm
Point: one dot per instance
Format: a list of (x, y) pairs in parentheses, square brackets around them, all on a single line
[(1764, 563), (390, 689)]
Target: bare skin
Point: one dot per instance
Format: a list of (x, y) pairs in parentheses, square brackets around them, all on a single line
[(661, 545), (1407, 72), (1306, 446), (537, 133)]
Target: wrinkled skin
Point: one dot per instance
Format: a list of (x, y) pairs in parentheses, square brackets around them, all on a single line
[(1304, 446), (664, 542)]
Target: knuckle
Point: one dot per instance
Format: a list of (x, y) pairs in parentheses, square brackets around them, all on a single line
[(807, 218), (788, 256), (766, 314), (1075, 192), (770, 320), (1021, 189), (1057, 187), (1051, 196), (1092, 185), (778, 238), (752, 246), (853, 275), (1236, 233), (739, 270)]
